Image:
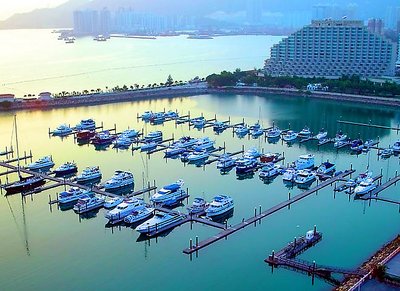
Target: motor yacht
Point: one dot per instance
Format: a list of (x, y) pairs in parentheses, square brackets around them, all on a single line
[(198, 122), (365, 187), (85, 135), (268, 171), (204, 143), (245, 165), (198, 155), (119, 180), (171, 114), (62, 130), (154, 136), (225, 161), (73, 194), (122, 142), (252, 153), (289, 175), (219, 126), (157, 118), (66, 169), (130, 133), (42, 163), (174, 150), (24, 184), (112, 202), (304, 162), (356, 145), (139, 215), (242, 130), (89, 174), (290, 136), (86, 124), (148, 146), (219, 205), (199, 205), (169, 194), (147, 115), (274, 132), (159, 222), (269, 157), (304, 177), (340, 136), (305, 132), (326, 168), (396, 146), (124, 209), (102, 138), (386, 153), (322, 134), (87, 204)]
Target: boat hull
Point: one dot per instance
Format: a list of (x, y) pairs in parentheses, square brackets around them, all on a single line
[(24, 187)]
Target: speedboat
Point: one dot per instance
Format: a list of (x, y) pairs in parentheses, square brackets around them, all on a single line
[(396, 146), (245, 165), (147, 115), (87, 204), (326, 168), (304, 177), (340, 136), (61, 130), (171, 114), (304, 162), (363, 177), (42, 163), (170, 194), (148, 146), (89, 174), (130, 133), (24, 184), (274, 132), (204, 144), (122, 142), (269, 157), (124, 209), (242, 130), (322, 134), (365, 187), (289, 175), (86, 124), (66, 168), (305, 132), (386, 153), (139, 215), (154, 136), (102, 138), (159, 222), (199, 205), (219, 205), (73, 194), (357, 145), (268, 171), (225, 161), (219, 126), (198, 122), (290, 135), (112, 202), (119, 180)]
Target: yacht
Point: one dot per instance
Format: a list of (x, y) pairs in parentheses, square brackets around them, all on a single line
[(103, 138), (274, 132), (225, 161), (396, 146), (154, 136), (289, 175), (305, 132), (24, 184), (257, 132), (69, 40), (148, 146), (130, 133), (268, 171), (62, 130), (112, 202), (290, 136), (304, 177), (365, 187), (357, 145), (252, 153), (159, 222), (174, 150), (171, 114), (87, 204), (122, 142), (198, 122), (270, 157), (363, 177), (42, 163), (322, 134), (386, 153), (157, 118), (100, 37), (304, 162), (170, 194), (198, 155), (245, 165), (199, 205), (204, 144), (124, 209), (219, 126), (139, 215), (66, 169), (89, 174), (340, 136), (85, 135), (367, 145), (86, 124), (220, 205), (326, 168), (341, 143), (73, 194), (119, 180), (147, 115), (242, 130), (186, 142)]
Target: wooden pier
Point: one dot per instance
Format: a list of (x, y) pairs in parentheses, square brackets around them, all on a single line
[(257, 217)]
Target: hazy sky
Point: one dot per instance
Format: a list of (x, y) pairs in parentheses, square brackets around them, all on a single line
[(11, 7)]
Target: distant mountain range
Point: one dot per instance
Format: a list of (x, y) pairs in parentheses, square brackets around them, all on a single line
[(61, 16)]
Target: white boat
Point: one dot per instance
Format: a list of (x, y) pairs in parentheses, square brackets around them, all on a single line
[(386, 153), (274, 132), (290, 136), (147, 115), (304, 162), (340, 136), (169, 194), (225, 161), (73, 194), (87, 203), (322, 134), (289, 175), (61, 130), (124, 209), (341, 143), (257, 132), (154, 136), (367, 145), (66, 168), (365, 187), (268, 171), (171, 114), (363, 177), (42, 163), (326, 168), (112, 202), (198, 155), (148, 146), (100, 37), (119, 180), (199, 205), (242, 130), (89, 174), (139, 215), (357, 145), (130, 133), (220, 205), (174, 150), (86, 124), (122, 142), (186, 142), (396, 146), (159, 222), (219, 126), (246, 165), (305, 132), (198, 122), (304, 177), (204, 143), (252, 153)]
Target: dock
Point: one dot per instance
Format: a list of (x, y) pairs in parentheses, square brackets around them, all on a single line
[(261, 215), (369, 125), (373, 195)]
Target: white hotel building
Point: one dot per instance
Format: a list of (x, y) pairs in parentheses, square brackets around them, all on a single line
[(332, 48)]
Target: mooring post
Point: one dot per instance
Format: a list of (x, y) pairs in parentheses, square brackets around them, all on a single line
[(197, 241), (255, 211), (259, 208), (315, 229), (295, 241)]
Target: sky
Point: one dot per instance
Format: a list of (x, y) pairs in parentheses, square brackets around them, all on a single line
[(11, 7)]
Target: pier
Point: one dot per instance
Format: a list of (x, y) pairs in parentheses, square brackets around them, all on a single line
[(369, 125)]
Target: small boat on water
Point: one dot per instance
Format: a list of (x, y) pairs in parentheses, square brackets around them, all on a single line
[(130, 133), (62, 130), (24, 184), (87, 204), (326, 168), (43, 163), (270, 157), (219, 126), (367, 145), (363, 177), (85, 135), (342, 143), (305, 132), (154, 136), (289, 136), (199, 205), (269, 171), (219, 205), (252, 153), (386, 153), (159, 222), (66, 169), (73, 194), (112, 202), (86, 124), (171, 114), (304, 177), (304, 162), (225, 161), (245, 165), (242, 130), (257, 132), (198, 156), (365, 187), (139, 215), (322, 134), (174, 150), (119, 180), (274, 132), (89, 174), (102, 138), (147, 115), (198, 122), (170, 194), (340, 136), (148, 146), (157, 118), (204, 143), (357, 145), (289, 175), (122, 142), (396, 146), (124, 209)]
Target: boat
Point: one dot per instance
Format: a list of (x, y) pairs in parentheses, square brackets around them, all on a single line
[(139, 215), (84, 135), (119, 180), (290, 136), (274, 132), (245, 165), (169, 194), (252, 153), (305, 132), (124, 209), (112, 202), (148, 146), (363, 177), (174, 150), (62, 130), (357, 145), (326, 168), (386, 153), (396, 146), (198, 155), (304, 162), (66, 168), (304, 177), (122, 142), (204, 144), (186, 142), (154, 136), (257, 132), (268, 171), (89, 174), (219, 126), (157, 118), (147, 115), (219, 205), (226, 161), (342, 143), (367, 145), (159, 222), (242, 130), (171, 114), (130, 133), (86, 124), (365, 187), (87, 204), (24, 184), (100, 37), (73, 194), (69, 40), (199, 205), (102, 138), (198, 122), (270, 157), (289, 175), (43, 163), (340, 136), (322, 134)]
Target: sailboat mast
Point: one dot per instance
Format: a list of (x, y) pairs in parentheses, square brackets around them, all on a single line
[(16, 140)]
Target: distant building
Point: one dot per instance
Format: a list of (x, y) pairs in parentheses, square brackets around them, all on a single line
[(7, 98), (332, 48), (375, 25), (392, 17), (44, 96)]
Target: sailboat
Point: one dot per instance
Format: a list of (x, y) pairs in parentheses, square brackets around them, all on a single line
[(25, 183)]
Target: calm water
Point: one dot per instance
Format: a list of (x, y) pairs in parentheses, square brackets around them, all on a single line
[(33, 61), (41, 249)]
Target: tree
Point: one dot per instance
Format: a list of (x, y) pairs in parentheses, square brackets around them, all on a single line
[(170, 81)]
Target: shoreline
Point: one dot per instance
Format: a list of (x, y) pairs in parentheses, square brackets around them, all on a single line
[(179, 91)]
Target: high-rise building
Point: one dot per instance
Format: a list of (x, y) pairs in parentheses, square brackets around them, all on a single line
[(254, 11), (375, 25), (332, 48), (86, 22)]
